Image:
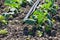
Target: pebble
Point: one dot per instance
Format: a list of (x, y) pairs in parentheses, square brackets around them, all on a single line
[(55, 38), (50, 38), (1, 36), (32, 39), (53, 33), (58, 38), (12, 39)]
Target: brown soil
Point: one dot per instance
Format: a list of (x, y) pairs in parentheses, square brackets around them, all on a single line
[(15, 26)]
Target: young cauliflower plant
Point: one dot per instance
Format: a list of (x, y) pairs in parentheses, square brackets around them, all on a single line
[(42, 16), (15, 3)]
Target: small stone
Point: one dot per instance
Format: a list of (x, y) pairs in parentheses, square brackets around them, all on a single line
[(58, 38), (32, 39), (12, 38), (46, 39), (53, 33), (1, 36), (55, 38), (12, 9), (28, 38), (50, 38)]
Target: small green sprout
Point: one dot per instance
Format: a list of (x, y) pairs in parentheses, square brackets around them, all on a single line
[(15, 3), (3, 20), (43, 17), (39, 33), (40, 17), (3, 32), (47, 28), (27, 38)]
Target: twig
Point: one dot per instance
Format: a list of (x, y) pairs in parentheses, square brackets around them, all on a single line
[(32, 9)]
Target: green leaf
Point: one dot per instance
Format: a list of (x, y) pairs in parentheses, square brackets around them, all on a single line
[(37, 12), (49, 16), (50, 23), (15, 3), (40, 16), (3, 32), (33, 17), (2, 18), (53, 11), (39, 33), (30, 21), (46, 0), (46, 5), (4, 22), (47, 28), (55, 6)]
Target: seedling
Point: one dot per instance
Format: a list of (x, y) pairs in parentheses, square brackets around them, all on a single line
[(3, 20), (15, 3), (39, 33), (3, 32), (43, 15), (27, 38)]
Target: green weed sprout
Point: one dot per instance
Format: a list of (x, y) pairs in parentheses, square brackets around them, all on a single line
[(3, 20), (15, 3), (3, 32)]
